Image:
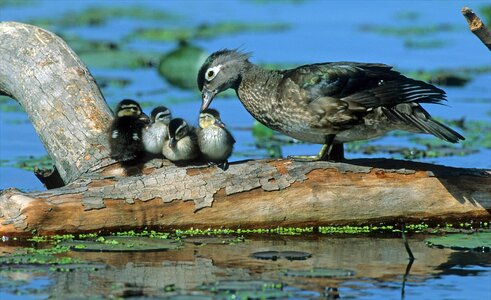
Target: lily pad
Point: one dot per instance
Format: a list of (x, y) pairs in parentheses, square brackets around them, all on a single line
[(180, 66), (479, 241), (275, 255), (205, 31), (213, 240), (320, 273), (122, 244), (98, 16)]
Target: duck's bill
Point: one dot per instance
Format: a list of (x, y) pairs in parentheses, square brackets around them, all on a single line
[(219, 123), (172, 143), (206, 97)]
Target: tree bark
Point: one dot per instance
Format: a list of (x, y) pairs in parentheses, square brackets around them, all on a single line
[(70, 115), (477, 26), (60, 96)]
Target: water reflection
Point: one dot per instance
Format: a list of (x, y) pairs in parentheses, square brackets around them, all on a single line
[(377, 267)]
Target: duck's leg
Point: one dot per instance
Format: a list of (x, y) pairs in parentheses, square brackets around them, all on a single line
[(329, 151)]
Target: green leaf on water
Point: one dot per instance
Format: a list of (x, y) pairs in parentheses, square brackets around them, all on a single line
[(100, 15), (320, 273), (122, 244), (479, 241), (180, 66), (205, 31)]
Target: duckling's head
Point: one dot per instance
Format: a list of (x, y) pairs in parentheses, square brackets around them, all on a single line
[(210, 117), (221, 70), (178, 128), (128, 108), (161, 114)]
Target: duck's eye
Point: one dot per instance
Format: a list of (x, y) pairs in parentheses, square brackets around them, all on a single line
[(212, 72)]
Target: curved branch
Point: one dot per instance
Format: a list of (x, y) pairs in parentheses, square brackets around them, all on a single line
[(60, 96), (66, 107)]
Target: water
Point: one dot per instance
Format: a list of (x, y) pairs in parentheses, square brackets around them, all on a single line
[(319, 31)]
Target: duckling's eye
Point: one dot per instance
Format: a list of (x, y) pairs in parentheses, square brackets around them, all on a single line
[(212, 72)]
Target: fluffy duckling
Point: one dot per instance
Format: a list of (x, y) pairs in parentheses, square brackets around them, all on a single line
[(155, 134), (214, 140), (181, 142), (125, 136)]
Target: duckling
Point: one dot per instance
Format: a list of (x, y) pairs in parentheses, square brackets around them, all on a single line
[(125, 137), (214, 140), (325, 103), (181, 142), (155, 134)]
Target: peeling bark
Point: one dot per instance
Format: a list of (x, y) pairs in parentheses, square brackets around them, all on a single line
[(60, 96), (70, 115)]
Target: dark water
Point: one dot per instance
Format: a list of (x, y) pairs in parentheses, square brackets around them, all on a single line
[(318, 31), (365, 268)]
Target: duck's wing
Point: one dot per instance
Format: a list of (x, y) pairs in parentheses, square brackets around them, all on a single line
[(341, 93)]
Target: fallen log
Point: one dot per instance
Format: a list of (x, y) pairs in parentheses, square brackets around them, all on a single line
[(101, 195)]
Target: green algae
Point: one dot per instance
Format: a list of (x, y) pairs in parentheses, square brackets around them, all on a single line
[(100, 15), (405, 31), (29, 163), (205, 31)]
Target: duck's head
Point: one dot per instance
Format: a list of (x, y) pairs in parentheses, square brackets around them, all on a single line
[(161, 114), (128, 107), (221, 70), (210, 117), (178, 128)]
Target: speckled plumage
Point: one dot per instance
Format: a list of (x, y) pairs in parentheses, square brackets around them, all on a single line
[(348, 100), (214, 140)]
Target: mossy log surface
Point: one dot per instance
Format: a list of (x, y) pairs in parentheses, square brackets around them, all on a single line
[(101, 195)]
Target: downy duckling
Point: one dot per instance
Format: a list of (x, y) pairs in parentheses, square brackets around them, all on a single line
[(155, 134), (214, 140), (125, 136), (181, 142)]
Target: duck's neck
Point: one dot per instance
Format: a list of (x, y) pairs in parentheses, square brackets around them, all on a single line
[(257, 91)]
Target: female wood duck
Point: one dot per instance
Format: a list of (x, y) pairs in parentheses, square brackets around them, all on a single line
[(325, 103), (181, 142), (214, 140), (155, 134), (125, 136)]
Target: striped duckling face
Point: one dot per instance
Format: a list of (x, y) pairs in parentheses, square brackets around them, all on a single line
[(210, 117), (161, 114), (178, 129), (128, 108)]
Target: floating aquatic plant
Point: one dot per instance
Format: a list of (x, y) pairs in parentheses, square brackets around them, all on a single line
[(478, 241)]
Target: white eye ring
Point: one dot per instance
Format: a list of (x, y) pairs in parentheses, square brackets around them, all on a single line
[(212, 72)]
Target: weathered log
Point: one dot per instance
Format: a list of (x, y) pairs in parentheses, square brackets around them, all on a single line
[(101, 195), (60, 96)]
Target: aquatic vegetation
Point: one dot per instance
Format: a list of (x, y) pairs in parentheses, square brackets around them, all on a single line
[(205, 31), (180, 66), (275, 255), (122, 244), (29, 163), (477, 241), (405, 31), (320, 273), (8, 104), (100, 15), (486, 14)]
